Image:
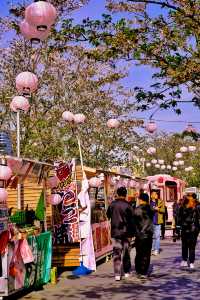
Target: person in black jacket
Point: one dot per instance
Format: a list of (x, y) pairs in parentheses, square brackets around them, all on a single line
[(188, 220), (121, 214), (143, 218)]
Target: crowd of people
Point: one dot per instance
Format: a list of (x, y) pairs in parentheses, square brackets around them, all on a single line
[(143, 226)]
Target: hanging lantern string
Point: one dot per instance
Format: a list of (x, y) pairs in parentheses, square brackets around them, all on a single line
[(171, 121)]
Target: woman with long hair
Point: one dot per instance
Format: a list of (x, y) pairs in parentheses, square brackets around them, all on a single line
[(188, 220)]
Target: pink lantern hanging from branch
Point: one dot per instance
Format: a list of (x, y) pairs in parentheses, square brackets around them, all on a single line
[(151, 127), (19, 102), (113, 123), (68, 116), (179, 155), (192, 148), (190, 129), (41, 14), (183, 149), (5, 172), (31, 33), (26, 83), (151, 150), (79, 118)]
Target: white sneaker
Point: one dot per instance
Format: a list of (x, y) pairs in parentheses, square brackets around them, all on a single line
[(127, 275), (184, 264), (192, 266), (155, 252), (117, 278)]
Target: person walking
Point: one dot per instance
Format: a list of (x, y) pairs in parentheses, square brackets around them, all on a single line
[(122, 230), (159, 209), (143, 219), (189, 222), (165, 218)]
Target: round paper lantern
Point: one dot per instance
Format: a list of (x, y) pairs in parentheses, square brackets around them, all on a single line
[(151, 150), (148, 165), (192, 148), (183, 149), (52, 182), (79, 118), (19, 103), (5, 172), (174, 168), (113, 123), (136, 148), (190, 129), (54, 199), (161, 161), (169, 167), (179, 155), (163, 167), (190, 168), (175, 163), (95, 182), (157, 166), (41, 14), (181, 162), (26, 83), (142, 159), (68, 116), (3, 195), (151, 127), (154, 161), (31, 33)]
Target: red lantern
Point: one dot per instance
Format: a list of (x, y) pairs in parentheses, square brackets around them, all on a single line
[(31, 33), (160, 180), (26, 83), (40, 14), (3, 195), (54, 199), (151, 127)]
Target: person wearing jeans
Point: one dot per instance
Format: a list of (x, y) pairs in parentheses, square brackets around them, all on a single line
[(120, 213), (158, 207)]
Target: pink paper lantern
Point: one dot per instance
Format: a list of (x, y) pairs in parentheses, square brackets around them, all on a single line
[(3, 195), (54, 199), (192, 148), (52, 182), (183, 149), (5, 172), (148, 165), (190, 129), (179, 155), (68, 116), (113, 123), (26, 83), (19, 102), (95, 182), (151, 150), (31, 33), (79, 118), (41, 14), (151, 127)]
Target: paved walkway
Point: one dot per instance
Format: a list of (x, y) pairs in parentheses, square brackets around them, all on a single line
[(167, 282)]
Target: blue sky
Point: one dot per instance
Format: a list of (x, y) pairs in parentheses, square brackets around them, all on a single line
[(138, 76)]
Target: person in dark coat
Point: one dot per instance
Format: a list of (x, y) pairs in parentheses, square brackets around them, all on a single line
[(189, 222), (143, 219), (122, 230)]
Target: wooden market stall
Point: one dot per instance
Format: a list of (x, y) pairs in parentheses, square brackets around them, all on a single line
[(25, 239), (68, 255)]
